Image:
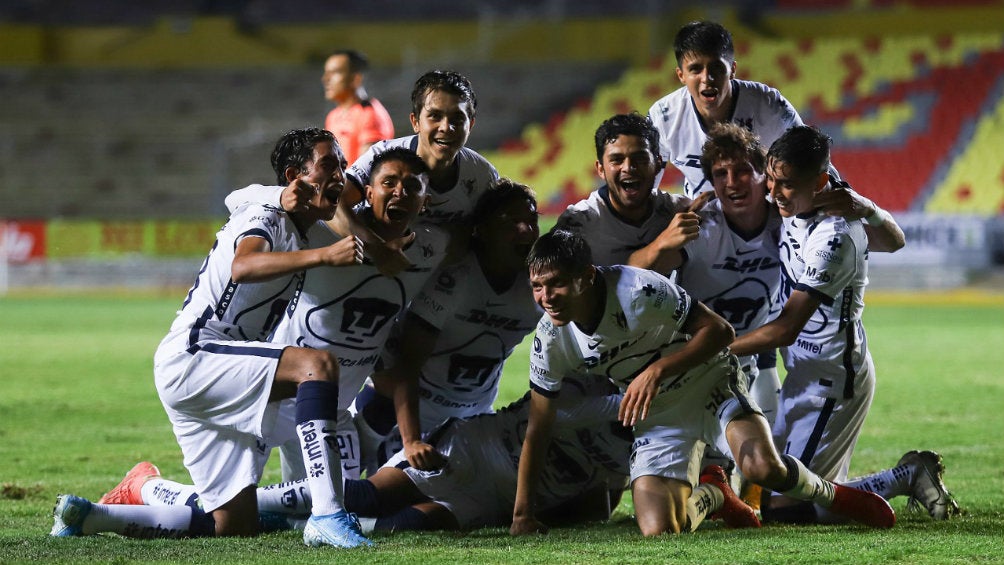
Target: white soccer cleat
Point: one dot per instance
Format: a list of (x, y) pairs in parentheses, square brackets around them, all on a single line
[(340, 529), (928, 490), (68, 516)]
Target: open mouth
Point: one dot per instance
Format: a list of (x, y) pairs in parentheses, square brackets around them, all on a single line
[(632, 187), (397, 213), (709, 94)]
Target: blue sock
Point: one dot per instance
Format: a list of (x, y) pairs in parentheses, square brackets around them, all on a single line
[(409, 518), (377, 410), (316, 400), (361, 498)]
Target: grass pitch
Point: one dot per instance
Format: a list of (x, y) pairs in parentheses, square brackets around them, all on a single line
[(78, 408)]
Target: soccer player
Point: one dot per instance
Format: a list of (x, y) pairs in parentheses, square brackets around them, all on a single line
[(733, 265), (443, 111), (350, 312), (220, 379), (357, 120), (584, 477), (706, 66), (681, 389), (628, 212), (830, 375), (446, 358)]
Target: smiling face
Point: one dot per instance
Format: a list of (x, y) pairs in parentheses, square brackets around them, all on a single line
[(396, 195), (741, 189), (793, 192), (629, 167), (562, 295), (707, 78), (443, 127)]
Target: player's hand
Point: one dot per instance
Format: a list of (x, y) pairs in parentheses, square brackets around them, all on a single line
[(296, 197), (527, 525), (423, 456), (389, 256), (638, 397), (684, 227), (841, 200), (346, 251)]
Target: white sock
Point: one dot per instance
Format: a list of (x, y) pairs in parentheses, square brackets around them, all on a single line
[(285, 498), (135, 521), (324, 469), (706, 499), (159, 491), (888, 483), (807, 485)]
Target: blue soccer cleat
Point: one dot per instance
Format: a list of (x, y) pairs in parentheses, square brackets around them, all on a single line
[(68, 515), (340, 529)]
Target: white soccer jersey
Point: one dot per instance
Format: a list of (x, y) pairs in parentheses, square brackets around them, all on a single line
[(478, 329), (349, 310), (589, 448), (682, 132), (642, 318), (611, 238), (474, 176), (826, 257), (216, 307), (738, 279)]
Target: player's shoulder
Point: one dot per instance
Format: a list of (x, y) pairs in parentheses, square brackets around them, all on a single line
[(671, 101), (474, 162), (581, 213)]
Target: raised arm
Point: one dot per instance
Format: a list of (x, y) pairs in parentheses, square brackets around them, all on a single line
[(254, 262), (884, 234)]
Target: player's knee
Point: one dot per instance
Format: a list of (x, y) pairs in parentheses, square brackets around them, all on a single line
[(321, 366), (763, 470)]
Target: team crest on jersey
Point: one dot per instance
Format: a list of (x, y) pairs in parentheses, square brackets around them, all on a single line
[(427, 250), (468, 186), (740, 304), (746, 123)]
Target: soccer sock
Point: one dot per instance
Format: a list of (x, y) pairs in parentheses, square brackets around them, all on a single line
[(803, 484), (147, 522), (409, 518), (706, 499), (316, 417), (888, 483), (162, 492), (376, 410), (291, 498), (361, 497)]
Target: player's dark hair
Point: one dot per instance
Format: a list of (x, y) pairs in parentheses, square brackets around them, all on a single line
[(358, 63), (627, 124), (447, 81), (401, 154), (560, 250), (731, 141), (805, 149), (703, 38), (500, 193), (296, 148)]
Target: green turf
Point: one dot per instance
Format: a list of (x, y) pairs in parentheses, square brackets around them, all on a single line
[(78, 408)]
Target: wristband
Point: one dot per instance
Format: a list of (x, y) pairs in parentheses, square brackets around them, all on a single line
[(877, 218)]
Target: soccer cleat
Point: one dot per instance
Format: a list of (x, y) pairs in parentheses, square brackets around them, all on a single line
[(862, 506), (68, 516), (927, 489), (340, 529), (128, 490), (734, 512)]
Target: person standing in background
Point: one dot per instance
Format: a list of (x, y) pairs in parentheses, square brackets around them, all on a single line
[(357, 121)]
